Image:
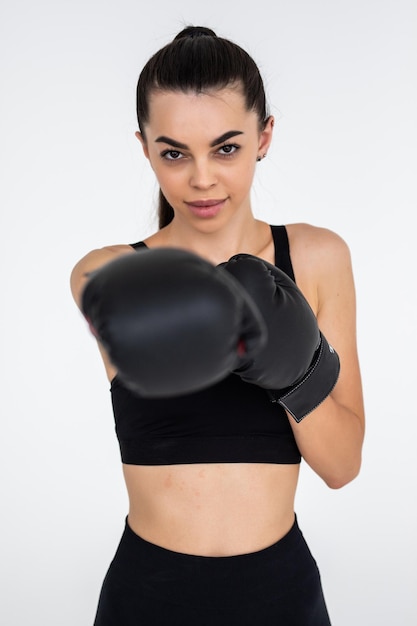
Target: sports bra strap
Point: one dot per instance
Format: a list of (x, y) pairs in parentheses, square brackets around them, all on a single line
[(138, 244), (282, 250)]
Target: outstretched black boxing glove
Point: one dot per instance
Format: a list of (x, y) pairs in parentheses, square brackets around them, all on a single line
[(170, 322), (297, 365)]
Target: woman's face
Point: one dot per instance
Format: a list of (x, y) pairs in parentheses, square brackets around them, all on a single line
[(203, 150)]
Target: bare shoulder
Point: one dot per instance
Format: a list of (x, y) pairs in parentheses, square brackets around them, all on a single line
[(316, 249), (321, 260), (315, 241), (91, 262)]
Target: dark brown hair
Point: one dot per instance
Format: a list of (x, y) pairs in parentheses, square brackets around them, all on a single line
[(197, 60)]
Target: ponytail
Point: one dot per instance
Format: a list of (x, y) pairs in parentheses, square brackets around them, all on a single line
[(165, 211)]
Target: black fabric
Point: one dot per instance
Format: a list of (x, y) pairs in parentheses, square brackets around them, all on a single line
[(229, 422), (282, 250), (151, 586)]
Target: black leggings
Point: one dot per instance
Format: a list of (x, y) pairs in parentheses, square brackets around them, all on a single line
[(147, 585)]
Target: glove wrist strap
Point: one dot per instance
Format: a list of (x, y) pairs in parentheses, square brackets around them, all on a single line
[(314, 387)]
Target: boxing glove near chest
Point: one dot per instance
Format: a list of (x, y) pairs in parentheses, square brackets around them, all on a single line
[(296, 364)]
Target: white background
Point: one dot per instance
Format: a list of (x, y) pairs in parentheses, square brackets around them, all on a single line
[(341, 79)]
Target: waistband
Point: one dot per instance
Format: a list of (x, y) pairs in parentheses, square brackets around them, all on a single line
[(241, 579)]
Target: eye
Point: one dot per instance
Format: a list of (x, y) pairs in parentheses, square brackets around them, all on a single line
[(228, 149), (172, 155)]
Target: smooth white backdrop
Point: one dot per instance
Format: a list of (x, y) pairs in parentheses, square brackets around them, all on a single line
[(341, 80)]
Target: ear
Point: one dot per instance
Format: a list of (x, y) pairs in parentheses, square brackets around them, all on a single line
[(142, 140), (265, 136)]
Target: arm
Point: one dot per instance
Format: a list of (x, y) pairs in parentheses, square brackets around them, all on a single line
[(311, 337), (330, 438)]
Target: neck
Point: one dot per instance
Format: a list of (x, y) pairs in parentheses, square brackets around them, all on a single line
[(218, 244)]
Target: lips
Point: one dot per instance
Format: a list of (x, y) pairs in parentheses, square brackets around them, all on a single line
[(205, 203), (206, 208)]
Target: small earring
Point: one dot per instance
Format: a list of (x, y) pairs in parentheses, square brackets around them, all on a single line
[(261, 157)]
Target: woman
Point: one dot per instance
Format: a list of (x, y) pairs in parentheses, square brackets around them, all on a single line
[(211, 470)]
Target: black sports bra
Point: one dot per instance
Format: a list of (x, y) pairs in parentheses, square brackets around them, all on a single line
[(230, 422)]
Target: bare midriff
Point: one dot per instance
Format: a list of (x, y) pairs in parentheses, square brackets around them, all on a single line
[(216, 509)]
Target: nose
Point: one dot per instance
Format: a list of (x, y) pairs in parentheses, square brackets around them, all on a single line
[(203, 174)]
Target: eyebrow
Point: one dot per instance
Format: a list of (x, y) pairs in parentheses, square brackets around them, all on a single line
[(177, 144)]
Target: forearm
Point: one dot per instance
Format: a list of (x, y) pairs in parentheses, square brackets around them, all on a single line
[(330, 440)]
